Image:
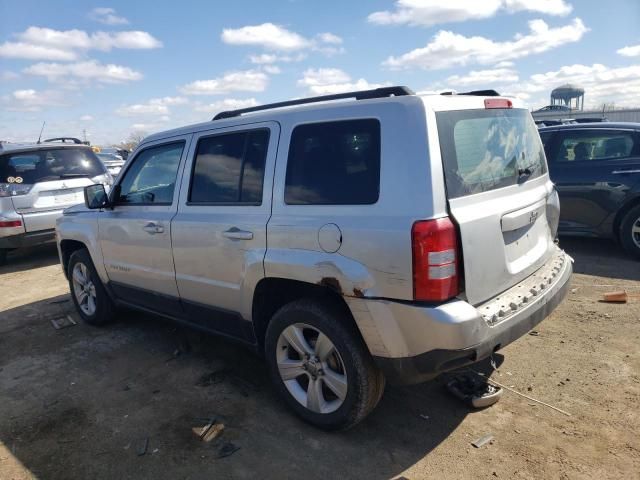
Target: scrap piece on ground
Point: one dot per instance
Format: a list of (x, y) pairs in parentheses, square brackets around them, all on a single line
[(474, 391), (63, 322), (142, 446), (616, 297), (482, 440), (227, 450), (213, 432)]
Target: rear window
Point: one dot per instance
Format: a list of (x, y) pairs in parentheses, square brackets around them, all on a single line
[(484, 150), (51, 164)]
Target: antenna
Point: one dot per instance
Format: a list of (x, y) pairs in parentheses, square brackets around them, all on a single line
[(41, 130)]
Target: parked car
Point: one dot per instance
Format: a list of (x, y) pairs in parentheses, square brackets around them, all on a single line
[(553, 108), (121, 152), (596, 169), (386, 237), (112, 162), (38, 181)]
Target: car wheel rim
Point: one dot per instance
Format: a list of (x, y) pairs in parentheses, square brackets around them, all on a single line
[(635, 232), (311, 368), (84, 289)]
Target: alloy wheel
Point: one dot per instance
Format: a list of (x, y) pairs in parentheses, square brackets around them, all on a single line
[(84, 289)]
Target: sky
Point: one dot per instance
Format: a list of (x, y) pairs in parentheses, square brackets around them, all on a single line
[(112, 68)]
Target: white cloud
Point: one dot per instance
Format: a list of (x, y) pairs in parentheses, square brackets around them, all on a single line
[(630, 51), (86, 118), (325, 81), (8, 75), (30, 100), (267, 58), (432, 12), (39, 43), (267, 35), (107, 16), (226, 104), (86, 71), (272, 69), (448, 49), (328, 37), (155, 106), (485, 78), (239, 81), (28, 51)]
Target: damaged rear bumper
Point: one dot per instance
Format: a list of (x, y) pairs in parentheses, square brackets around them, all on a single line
[(416, 343)]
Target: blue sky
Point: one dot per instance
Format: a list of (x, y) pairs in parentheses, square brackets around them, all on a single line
[(117, 67)]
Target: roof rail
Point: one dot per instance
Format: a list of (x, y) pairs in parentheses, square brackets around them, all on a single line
[(359, 95), (64, 140), (477, 93)]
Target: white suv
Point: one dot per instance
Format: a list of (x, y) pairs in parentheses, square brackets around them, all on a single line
[(382, 237)]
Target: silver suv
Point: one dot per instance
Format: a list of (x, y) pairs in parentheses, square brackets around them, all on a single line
[(382, 237), (37, 182)]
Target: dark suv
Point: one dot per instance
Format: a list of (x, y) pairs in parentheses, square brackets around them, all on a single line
[(596, 170)]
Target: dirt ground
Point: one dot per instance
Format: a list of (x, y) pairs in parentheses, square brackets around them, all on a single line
[(83, 402)]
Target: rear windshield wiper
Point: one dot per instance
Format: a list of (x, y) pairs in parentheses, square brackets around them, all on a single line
[(528, 170)]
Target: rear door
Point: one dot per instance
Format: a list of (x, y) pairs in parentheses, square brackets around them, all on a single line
[(48, 181), (497, 188), (219, 234), (135, 236), (593, 169)]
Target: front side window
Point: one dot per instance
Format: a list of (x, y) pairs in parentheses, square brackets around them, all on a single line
[(334, 163), (151, 179), (587, 145), (229, 168)]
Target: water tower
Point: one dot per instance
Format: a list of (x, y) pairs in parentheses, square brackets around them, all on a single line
[(568, 95)]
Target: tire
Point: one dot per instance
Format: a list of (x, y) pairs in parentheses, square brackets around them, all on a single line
[(630, 232), (344, 382), (3, 256), (90, 298)]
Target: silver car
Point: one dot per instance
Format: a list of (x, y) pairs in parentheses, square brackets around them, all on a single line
[(37, 182), (351, 239)]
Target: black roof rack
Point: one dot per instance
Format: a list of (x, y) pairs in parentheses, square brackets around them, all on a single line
[(477, 93), (360, 95), (77, 141)]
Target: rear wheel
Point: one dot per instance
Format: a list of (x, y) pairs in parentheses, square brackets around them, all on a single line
[(320, 365), (88, 294), (630, 232)]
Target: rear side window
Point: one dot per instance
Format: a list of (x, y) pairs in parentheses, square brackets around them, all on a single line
[(594, 144), (52, 164), (484, 150), (230, 168), (334, 163)]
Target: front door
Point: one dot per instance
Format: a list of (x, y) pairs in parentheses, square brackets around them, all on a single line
[(219, 232), (593, 169), (135, 236)]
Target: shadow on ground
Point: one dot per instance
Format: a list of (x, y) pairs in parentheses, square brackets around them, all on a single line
[(23, 259), (82, 401), (600, 257)]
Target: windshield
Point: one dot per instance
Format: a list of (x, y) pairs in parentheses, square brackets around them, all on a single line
[(49, 164), (487, 149)]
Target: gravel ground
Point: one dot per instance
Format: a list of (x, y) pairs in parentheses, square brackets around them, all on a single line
[(82, 402)]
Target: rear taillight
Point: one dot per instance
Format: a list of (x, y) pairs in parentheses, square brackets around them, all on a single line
[(10, 223), (435, 260), (498, 103)]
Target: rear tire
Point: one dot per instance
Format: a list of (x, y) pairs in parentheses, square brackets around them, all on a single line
[(89, 295), (630, 232), (3, 256), (330, 379)]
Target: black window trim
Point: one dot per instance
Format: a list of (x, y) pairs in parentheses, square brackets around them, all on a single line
[(347, 205), (133, 160), (246, 131)]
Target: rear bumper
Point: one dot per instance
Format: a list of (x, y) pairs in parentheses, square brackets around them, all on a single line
[(448, 336), (28, 239)]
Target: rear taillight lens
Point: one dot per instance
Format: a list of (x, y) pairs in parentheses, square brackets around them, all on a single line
[(435, 260), (10, 223)]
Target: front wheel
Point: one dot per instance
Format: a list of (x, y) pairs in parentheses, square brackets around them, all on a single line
[(630, 232), (320, 365), (88, 293)]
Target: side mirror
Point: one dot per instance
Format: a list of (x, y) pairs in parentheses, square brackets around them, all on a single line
[(95, 196)]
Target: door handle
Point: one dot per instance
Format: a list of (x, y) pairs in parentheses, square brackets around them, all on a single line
[(235, 233), (625, 172), (152, 228)]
